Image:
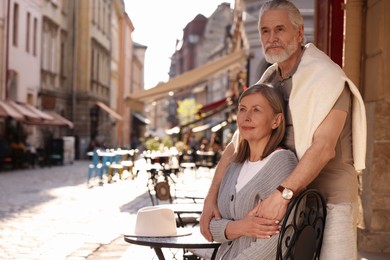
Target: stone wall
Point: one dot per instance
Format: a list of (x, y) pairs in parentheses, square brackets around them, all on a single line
[(374, 231)]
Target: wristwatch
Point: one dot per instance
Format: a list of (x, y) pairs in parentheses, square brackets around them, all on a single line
[(287, 194)]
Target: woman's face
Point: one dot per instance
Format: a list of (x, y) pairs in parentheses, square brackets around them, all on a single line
[(256, 118)]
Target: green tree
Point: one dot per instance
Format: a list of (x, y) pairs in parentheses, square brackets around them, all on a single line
[(187, 110)]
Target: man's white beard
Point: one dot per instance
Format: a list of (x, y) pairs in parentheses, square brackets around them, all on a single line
[(283, 56)]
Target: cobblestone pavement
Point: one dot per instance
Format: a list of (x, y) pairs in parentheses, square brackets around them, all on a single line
[(50, 213)]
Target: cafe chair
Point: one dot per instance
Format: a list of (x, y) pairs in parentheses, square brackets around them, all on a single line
[(95, 167), (115, 168), (303, 227), (163, 191)]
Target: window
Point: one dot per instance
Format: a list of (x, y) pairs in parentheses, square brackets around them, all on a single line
[(100, 67), (65, 6), (63, 55), (98, 14), (53, 48), (35, 27), (49, 46), (103, 22), (15, 25), (28, 32)]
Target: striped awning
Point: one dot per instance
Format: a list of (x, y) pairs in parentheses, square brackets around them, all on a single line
[(109, 110), (190, 79), (28, 114)]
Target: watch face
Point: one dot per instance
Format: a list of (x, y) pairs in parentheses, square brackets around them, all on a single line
[(287, 194)]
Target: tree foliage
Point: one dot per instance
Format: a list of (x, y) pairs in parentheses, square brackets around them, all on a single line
[(187, 110)]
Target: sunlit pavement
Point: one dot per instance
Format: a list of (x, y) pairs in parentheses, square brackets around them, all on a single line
[(50, 213)]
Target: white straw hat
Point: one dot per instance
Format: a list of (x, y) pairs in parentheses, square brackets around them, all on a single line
[(157, 221)]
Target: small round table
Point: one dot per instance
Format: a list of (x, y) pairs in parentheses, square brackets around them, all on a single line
[(193, 240)]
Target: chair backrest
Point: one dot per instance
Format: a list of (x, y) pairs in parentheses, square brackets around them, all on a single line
[(303, 227), (95, 158)]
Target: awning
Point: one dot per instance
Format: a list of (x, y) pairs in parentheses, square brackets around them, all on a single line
[(141, 118), (190, 78), (110, 111), (213, 105), (219, 126), (38, 112), (6, 110), (31, 115), (57, 120), (207, 126), (25, 111), (177, 129), (22, 112)]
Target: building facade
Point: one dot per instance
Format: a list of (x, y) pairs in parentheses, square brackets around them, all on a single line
[(367, 62), (205, 40), (74, 59)]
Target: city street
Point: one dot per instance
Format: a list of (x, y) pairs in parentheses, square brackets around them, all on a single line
[(50, 213)]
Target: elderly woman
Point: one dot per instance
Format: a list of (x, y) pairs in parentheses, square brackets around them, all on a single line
[(259, 166)]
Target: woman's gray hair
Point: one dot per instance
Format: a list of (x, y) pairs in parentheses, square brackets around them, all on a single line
[(294, 13)]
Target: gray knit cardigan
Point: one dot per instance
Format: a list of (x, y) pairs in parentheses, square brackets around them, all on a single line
[(235, 206)]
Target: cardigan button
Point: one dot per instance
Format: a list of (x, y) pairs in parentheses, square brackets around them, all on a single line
[(232, 198)]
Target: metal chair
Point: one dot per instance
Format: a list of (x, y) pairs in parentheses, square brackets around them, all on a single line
[(303, 227), (115, 167), (95, 167)]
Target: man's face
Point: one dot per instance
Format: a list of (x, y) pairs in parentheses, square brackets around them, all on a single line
[(280, 39)]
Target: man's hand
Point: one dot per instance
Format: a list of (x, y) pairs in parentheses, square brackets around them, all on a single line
[(210, 210), (274, 207)]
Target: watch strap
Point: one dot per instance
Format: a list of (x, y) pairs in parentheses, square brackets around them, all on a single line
[(280, 188)]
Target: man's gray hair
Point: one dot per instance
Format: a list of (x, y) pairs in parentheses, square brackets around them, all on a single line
[(294, 13)]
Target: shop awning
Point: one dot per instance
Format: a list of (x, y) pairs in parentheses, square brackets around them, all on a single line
[(57, 120), (22, 112), (41, 114), (7, 110), (109, 110), (219, 126), (141, 118), (177, 129), (207, 126), (31, 115), (190, 78), (214, 105)]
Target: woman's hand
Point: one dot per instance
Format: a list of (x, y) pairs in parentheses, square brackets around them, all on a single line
[(252, 226), (210, 210)]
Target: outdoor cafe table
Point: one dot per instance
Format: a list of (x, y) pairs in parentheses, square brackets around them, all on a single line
[(193, 240), (184, 208)]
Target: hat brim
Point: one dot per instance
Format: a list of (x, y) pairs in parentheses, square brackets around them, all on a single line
[(179, 233)]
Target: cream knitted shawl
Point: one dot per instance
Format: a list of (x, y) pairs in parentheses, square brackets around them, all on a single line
[(317, 84)]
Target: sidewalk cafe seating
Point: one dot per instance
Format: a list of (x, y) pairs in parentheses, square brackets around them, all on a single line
[(156, 227), (128, 162), (160, 170), (159, 184), (205, 159), (95, 168), (303, 227), (115, 166)]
